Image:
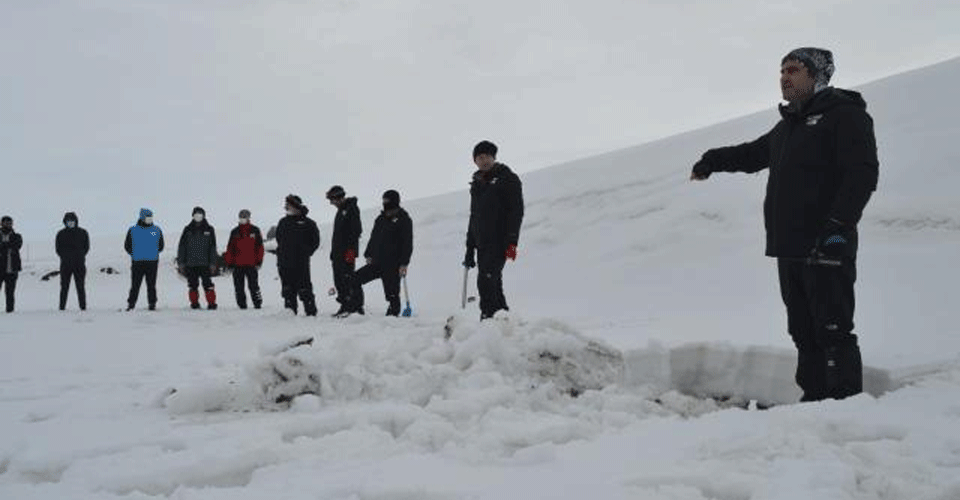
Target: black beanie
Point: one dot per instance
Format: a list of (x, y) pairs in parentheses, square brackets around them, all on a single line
[(335, 193), (294, 201), (198, 210), (819, 63), (391, 199), (484, 147), (70, 216)]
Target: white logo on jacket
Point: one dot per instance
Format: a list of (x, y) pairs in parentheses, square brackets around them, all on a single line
[(813, 119)]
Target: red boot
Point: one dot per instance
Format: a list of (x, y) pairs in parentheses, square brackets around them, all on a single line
[(194, 299), (211, 299)]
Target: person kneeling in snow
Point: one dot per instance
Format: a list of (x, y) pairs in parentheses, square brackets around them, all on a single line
[(388, 254), (197, 258)]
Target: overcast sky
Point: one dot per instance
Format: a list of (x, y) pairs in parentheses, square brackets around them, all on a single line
[(109, 105)]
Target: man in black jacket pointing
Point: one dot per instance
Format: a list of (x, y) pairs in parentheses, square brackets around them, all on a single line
[(822, 161)]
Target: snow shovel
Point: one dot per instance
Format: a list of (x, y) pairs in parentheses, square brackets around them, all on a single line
[(407, 312)]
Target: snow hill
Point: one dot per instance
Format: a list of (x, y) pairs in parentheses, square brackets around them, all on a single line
[(638, 296)]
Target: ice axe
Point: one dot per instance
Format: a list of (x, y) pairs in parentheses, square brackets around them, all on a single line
[(407, 312), (463, 298)]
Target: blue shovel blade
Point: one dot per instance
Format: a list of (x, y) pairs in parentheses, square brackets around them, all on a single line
[(407, 312)]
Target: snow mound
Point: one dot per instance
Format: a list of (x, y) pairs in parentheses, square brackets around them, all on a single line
[(501, 358), (416, 366)]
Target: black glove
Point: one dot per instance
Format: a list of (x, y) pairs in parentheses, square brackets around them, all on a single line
[(701, 170), (468, 260), (836, 240), (705, 166)]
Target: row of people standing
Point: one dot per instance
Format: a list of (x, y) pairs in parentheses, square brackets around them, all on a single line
[(72, 245), (496, 213), (197, 258), (492, 236), (298, 238)]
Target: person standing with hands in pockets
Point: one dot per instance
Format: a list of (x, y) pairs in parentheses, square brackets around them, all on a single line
[(245, 255)]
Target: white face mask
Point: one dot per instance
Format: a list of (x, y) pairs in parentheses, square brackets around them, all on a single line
[(71, 224), (291, 211), (244, 221), (198, 217), (148, 220)]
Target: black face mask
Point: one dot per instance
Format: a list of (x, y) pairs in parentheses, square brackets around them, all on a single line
[(389, 205)]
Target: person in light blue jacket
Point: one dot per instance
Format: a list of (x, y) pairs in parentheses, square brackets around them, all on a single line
[(144, 243)]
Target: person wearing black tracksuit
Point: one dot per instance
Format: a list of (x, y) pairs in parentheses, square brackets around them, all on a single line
[(197, 258), (298, 237), (387, 254), (344, 245), (822, 159), (72, 245), (496, 214), (10, 265)]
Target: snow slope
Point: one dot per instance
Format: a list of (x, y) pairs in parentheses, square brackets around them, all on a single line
[(635, 289)]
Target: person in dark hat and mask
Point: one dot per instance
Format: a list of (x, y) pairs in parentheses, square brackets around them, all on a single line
[(823, 168), (298, 237), (493, 231), (387, 254), (197, 258), (10, 265), (245, 255), (143, 243), (72, 245), (344, 245)]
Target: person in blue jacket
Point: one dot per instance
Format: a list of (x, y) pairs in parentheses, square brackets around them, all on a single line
[(144, 243)]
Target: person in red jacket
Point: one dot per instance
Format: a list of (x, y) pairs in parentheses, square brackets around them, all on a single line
[(245, 255)]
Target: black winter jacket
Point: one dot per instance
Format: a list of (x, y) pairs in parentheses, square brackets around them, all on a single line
[(496, 208), (823, 165), (298, 237), (10, 244), (198, 245), (346, 230), (391, 241), (72, 246)]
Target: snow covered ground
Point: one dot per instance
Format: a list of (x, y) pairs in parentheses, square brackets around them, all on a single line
[(637, 296)]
